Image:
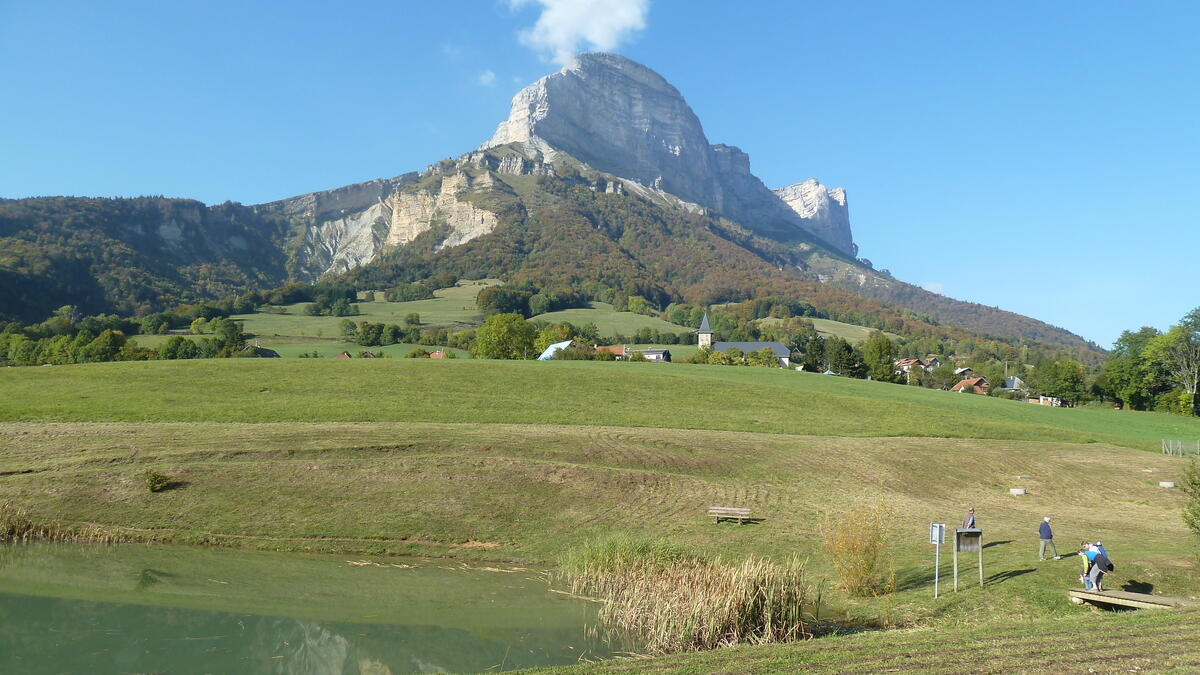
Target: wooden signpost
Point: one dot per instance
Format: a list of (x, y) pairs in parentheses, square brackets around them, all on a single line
[(968, 540)]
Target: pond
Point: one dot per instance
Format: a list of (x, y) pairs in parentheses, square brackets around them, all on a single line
[(127, 609)]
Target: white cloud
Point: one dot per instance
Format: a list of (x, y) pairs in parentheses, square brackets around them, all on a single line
[(934, 287), (486, 78), (567, 26)]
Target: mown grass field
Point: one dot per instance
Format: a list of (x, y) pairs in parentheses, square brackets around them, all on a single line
[(448, 489), (679, 396), (1150, 642)]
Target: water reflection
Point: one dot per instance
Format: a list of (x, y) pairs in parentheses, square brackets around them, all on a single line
[(150, 609)]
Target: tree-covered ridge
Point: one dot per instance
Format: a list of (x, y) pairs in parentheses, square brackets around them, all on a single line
[(573, 240), (565, 235), (131, 256)]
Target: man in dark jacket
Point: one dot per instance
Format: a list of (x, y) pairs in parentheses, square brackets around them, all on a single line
[(1046, 538)]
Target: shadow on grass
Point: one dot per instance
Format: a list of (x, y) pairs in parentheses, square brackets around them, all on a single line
[(1135, 586), (175, 485), (997, 543), (1001, 577)]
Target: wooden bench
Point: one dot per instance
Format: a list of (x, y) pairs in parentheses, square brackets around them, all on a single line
[(719, 513), (1126, 599)]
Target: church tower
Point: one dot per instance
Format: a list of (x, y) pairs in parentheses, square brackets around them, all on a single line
[(704, 333)]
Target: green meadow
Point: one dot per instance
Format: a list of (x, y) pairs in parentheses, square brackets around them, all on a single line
[(680, 396), (609, 321), (519, 461)]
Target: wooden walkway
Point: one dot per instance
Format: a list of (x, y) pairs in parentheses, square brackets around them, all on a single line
[(1126, 599)]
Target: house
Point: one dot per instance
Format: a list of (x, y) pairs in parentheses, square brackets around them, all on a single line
[(1045, 400), (1014, 382), (439, 354), (343, 355), (781, 352), (906, 365), (260, 352), (973, 385), (931, 362), (657, 355), (552, 349), (618, 351), (964, 373)]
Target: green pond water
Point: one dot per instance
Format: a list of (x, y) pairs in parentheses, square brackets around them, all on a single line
[(157, 609)]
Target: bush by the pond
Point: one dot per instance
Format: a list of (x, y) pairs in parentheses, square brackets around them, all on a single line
[(673, 600), (157, 481), (856, 540)]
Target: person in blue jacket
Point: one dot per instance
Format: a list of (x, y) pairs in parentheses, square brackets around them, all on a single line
[(1046, 538), (1089, 558)]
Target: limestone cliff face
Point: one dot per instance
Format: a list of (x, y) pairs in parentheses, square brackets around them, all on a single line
[(824, 211), (622, 118), (338, 230)]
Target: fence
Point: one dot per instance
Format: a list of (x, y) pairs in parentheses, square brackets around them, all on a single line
[(1180, 448)]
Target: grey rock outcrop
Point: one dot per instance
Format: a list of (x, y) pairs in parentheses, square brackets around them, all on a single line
[(824, 212), (622, 118)]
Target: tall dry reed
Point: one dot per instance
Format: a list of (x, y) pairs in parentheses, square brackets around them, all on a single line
[(856, 541), (17, 526), (671, 600)]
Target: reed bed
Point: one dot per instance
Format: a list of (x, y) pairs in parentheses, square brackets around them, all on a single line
[(18, 527), (671, 600)]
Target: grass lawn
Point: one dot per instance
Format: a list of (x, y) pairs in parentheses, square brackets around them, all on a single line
[(610, 321), (552, 392)]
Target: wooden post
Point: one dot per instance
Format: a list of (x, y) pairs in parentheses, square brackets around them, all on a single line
[(981, 563), (956, 564)]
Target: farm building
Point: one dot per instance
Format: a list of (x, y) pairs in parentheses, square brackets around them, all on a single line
[(341, 355), (618, 351), (439, 354), (552, 349), (781, 352), (658, 355)]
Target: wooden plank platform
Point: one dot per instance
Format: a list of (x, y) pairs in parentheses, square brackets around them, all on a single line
[(1127, 599)]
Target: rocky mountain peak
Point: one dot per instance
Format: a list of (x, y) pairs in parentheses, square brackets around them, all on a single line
[(623, 118)]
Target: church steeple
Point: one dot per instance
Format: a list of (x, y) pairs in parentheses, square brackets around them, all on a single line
[(704, 333)]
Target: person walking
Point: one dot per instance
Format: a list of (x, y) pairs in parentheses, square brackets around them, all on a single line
[(1046, 538), (969, 520)]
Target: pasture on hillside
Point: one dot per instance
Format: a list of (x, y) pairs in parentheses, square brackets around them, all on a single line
[(830, 328), (450, 307), (610, 322)]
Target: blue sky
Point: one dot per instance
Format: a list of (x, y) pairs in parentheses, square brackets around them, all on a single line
[(1039, 157)]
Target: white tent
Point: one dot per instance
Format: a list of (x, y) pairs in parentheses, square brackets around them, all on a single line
[(549, 353)]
